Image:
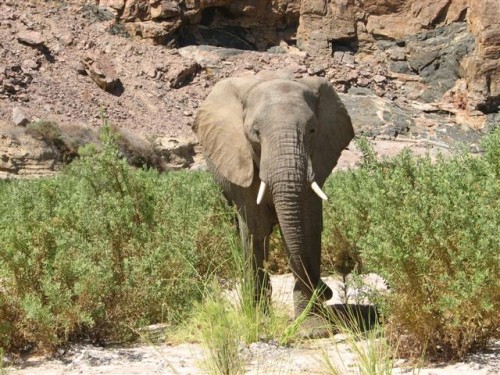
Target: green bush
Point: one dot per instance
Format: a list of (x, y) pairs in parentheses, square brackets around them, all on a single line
[(104, 249), (431, 229)]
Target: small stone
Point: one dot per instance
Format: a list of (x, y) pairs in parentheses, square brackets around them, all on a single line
[(19, 118), (301, 69), (341, 87), (79, 67), (149, 69), (363, 82), (187, 113), (379, 78), (351, 76), (29, 65), (66, 38), (31, 38), (315, 70)]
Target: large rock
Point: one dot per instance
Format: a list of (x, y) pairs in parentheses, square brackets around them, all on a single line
[(178, 153), (376, 116), (101, 70), (23, 156), (181, 75), (18, 117)]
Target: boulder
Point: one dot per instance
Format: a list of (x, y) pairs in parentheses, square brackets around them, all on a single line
[(22, 156), (162, 9), (376, 116), (205, 56), (178, 153), (31, 38), (101, 70), (181, 75), (115, 5)]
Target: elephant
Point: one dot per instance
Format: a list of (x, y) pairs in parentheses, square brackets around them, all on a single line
[(271, 141)]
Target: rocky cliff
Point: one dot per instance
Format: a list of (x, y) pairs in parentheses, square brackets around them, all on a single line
[(449, 43), (415, 70)]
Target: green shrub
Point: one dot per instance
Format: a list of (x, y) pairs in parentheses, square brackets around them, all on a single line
[(430, 228), (104, 249)]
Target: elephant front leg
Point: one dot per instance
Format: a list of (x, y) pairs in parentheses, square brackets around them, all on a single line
[(256, 251), (262, 286)]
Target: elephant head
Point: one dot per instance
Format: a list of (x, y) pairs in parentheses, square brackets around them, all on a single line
[(285, 136)]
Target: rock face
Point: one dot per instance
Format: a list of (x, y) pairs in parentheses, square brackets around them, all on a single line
[(482, 67), (440, 40), (433, 55), (432, 77), (238, 24)]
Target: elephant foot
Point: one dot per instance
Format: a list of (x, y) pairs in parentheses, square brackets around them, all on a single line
[(316, 323), (301, 302), (314, 327)]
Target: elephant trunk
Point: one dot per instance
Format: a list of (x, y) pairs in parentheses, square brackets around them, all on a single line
[(289, 181), (289, 208)]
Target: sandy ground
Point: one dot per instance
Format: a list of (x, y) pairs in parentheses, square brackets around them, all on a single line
[(307, 357)]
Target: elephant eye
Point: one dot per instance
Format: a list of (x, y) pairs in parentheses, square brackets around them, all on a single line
[(312, 131)]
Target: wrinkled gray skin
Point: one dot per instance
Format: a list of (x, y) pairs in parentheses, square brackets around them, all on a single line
[(286, 133)]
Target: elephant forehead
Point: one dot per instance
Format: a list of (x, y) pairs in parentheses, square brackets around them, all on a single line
[(282, 108), (281, 90)]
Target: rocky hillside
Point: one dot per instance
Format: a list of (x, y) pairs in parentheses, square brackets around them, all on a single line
[(406, 69), (441, 41)]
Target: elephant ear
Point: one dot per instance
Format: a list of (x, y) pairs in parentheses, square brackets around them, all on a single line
[(335, 130), (219, 127)]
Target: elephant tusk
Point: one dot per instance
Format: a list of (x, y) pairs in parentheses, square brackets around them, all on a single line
[(262, 190), (318, 191)]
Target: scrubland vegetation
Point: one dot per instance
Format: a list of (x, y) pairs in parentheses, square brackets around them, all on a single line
[(104, 249), (430, 229)]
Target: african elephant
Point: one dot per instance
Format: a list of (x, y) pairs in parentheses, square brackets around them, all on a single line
[(271, 142)]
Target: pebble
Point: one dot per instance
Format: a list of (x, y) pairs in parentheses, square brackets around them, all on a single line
[(18, 117)]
